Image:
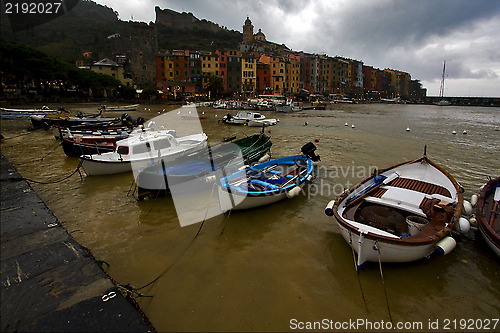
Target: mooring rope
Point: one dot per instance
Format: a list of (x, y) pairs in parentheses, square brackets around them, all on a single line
[(377, 247), (60, 180), (357, 272)]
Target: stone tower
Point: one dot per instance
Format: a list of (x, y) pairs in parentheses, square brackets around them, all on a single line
[(247, 31)]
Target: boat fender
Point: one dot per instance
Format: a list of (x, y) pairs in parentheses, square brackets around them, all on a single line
[(473, 221), (329, 208), (445, 245), (463, 225), (467, 208), (210, 179), (309, 178), (264, 158), (473, 200), (293, 192)]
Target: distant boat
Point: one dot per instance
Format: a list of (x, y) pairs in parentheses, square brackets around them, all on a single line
[(288, 106), (59, 120), (132, 107), (401, 214), (390, 100), (442, 102), (488, 214), (6, 113)]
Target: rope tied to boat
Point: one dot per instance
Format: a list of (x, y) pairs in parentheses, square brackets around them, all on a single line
[(377, 248), (60, 180), (357, 271)]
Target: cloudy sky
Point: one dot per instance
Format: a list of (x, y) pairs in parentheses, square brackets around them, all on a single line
[(411, 36)]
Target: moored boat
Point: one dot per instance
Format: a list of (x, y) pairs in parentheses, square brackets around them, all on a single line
[(267, 182), (248, 118), (401, 214), (132, 107), (7, 113), (81, 121), (288, 106), (140, 149), (77, 145), (488, 214), (155, 179)]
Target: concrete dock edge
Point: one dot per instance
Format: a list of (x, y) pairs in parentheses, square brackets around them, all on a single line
[(49, 282)]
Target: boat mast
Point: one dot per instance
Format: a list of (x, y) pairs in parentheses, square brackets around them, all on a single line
[(441, 89)]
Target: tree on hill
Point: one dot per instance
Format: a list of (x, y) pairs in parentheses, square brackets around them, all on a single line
[(25, 67)]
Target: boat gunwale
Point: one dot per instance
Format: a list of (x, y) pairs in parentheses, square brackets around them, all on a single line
[(483, 222), (403, 241)]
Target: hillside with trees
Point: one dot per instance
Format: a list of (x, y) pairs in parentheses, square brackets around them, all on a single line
[(26, 68)]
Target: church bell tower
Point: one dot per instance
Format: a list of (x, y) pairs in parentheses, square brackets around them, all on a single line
[(247, 31)]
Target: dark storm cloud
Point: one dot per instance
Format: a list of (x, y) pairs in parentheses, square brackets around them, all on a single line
[(413, 36)]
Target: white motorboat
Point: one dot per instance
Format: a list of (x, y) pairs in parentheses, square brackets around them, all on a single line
[(403, 213), (141, 149), (266, 105), (288, 106), (249, 118)]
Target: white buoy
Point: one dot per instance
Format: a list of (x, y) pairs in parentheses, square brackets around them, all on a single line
[(473, 199), (463, 225), (407, 129), (454, 132), (203, 112), (329, 208), (264, 158), (352, 126), (178, 112), (467, 208), (293, 192), (346, 124), (464, 132), (446, 245), (210, 179), (215, 116)]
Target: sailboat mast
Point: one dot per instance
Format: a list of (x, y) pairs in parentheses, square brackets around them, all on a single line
[(441, 89)]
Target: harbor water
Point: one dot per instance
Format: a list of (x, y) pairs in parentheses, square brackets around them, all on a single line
[(285, 266)]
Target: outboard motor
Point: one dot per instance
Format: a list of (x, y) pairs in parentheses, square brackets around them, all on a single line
[(127, 119), (308, 149), (227, 117), (140, 121)]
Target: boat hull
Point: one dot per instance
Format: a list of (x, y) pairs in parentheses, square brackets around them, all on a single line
[(241, 190), (96, 168), (373, 250), (488, 215), (376, 216)]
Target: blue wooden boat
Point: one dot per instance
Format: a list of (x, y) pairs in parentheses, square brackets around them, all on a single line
[(267, 182)]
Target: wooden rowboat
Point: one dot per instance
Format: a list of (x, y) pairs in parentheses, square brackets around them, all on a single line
[(401, 214), (488, 214)]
